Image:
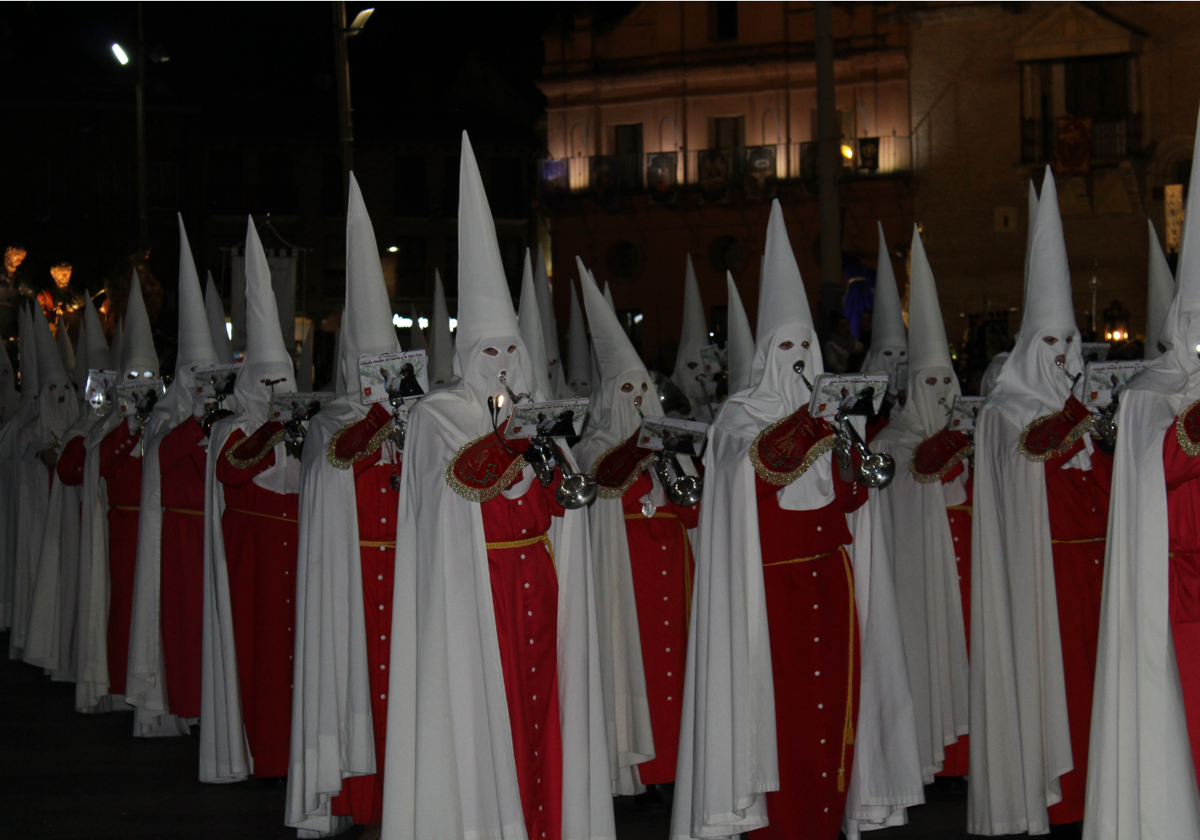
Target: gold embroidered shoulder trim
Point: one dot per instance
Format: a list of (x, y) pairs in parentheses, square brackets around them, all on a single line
[(1192, 448), (779, 479), (367, 451), (634, 474), (482, 494), (1081, 429), (930, 478), (267, 449)]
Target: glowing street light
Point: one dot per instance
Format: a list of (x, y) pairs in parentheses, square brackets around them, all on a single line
[(360, 20), (847, 152), (121, 55), (393, 249)]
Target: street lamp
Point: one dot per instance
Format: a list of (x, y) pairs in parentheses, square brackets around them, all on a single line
[(121, 55), (345, 124)]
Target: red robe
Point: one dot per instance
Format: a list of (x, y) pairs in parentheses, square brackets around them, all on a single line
[(661, 559), (814, 636), (1078, 503), (1183, 523), (121, 469), (181, 464), (70, 462), (376, 502), (260, 532)]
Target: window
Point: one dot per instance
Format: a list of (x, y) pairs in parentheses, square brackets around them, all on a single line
[(728, 132), (722, 21), (1098, 90), (410, 187)]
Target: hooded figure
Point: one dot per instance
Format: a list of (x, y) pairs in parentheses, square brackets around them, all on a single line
[(694, 337), (9, 492), (739, 344), (216, 323), (441, 340), (889, 338), (793, 718), (168, 610), (643, 563), (36, 446), (1040, 515), (111, 498), (52, 618), (580, 370), (499, 728), (1161, 290), (1145, 738), (545, 303), (926, 517), (345, 571), (251, 487), (530, 321)]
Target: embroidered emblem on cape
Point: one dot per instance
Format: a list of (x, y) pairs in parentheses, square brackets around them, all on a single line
[(1187, 429), (617, 469), (253, 449), (361, 439), (785, 450), (1054, 435), (483, 468), (938, 454)]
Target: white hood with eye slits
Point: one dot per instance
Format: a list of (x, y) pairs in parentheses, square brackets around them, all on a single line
[(889, 337)]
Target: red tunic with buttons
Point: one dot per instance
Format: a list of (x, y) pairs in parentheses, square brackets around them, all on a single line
[(1078, 502), (181, 465), (1183, 574), (70, 462), (121, 469), (525, 600), (260, 533), (814, 638), (376, 502), (661, 558)]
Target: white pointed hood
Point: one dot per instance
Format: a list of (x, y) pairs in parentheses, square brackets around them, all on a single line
[(195, 339), (416, 338), (441, 340), (694, 337), (138, 356), (579, 363), (529, 319), (216, 323), (485, 312), (739, 341), (65, 351), (783, 316), (927, 407), (1177, 369), (1161, 290), (889, 338), (1031, 384), (57, 407), (608, 298), (27, 347), (614, 417), (304, 370), (92, 345), (545, 301), (266, 357)]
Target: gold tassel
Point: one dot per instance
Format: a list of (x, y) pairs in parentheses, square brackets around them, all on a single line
[(849, 735), (842, 780)]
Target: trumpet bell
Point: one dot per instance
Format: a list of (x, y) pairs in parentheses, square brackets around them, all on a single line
[(687, 491), (876, 470), (576, 490)]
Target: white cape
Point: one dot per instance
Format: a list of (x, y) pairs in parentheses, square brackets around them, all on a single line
[(917, 532), (32, 486), (450, 765), (1020, 743), (1141, 779)]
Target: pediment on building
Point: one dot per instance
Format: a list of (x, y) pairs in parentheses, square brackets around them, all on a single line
[(1073, 30)]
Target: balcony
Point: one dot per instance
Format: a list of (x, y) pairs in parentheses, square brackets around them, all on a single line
[(1109, 140), (713, 173)]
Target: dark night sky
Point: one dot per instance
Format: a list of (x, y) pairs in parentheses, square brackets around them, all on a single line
[(417, 70)]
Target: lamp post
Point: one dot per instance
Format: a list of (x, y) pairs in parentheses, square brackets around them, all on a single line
[(342, 60)]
